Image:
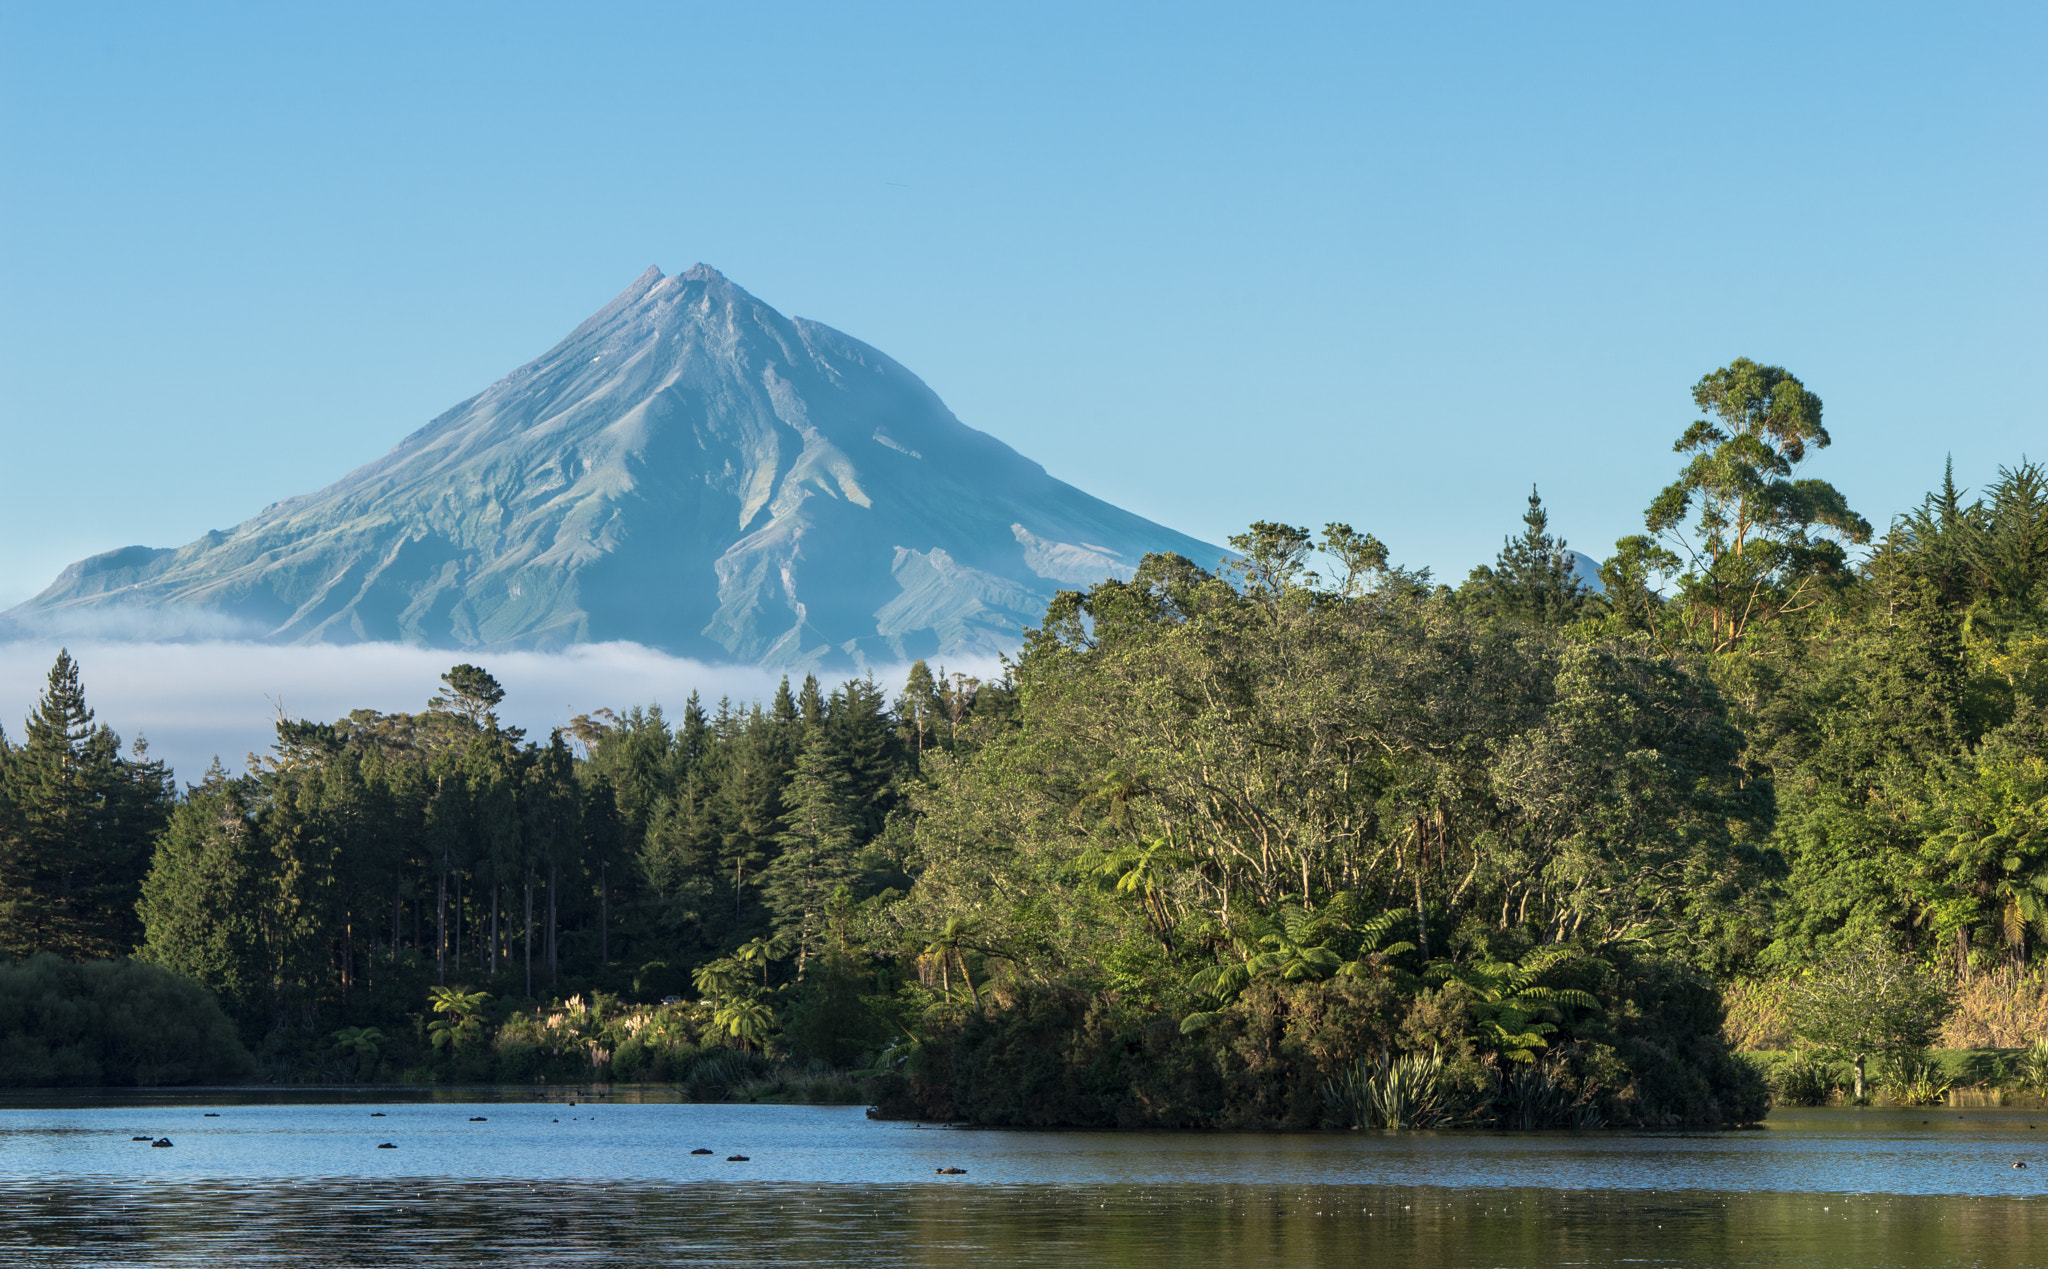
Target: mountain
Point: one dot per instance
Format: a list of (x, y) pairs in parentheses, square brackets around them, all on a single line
[(689, 470)]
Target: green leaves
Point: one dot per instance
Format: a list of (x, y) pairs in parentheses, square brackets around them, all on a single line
[(1763, 543), (462, 1020), (1516, 1011), (1867, 1000)]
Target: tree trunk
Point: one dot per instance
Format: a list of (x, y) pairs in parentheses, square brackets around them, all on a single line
[(527, 942), (554, 960), (1859, 1077), (397, 924), (495, 887), (1421, 916), (441, 930), (604, 913), (348, 955)]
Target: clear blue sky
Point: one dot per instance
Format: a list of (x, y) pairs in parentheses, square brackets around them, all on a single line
[(1214, 263)]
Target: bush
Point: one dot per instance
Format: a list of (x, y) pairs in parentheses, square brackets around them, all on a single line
[(1803, 1080), (518, 1063), (107, 1023), (2030, 1068), (1913, 1078)]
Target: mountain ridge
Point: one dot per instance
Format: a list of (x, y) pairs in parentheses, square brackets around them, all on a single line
[(687, 469)]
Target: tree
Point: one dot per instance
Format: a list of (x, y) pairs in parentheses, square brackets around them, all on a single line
[(469, 693), (1867, 1001), (74, 843), (920, 708), (1534, 579), (817, 849), (462, 1016), (1764, 541), (207, 895)]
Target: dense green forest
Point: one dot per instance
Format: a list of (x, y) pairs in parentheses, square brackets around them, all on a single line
[(1301, 838)]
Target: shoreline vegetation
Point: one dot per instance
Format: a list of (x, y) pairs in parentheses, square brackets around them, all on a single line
[(1306, 839)]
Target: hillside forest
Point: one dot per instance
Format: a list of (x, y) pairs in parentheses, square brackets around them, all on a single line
[(1299, 837)]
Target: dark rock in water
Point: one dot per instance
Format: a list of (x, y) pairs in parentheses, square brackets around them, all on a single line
[(212, 1114), (689, 470), (950, 1171), (161, 1143), (386, 1145), (737, 1158), (478, 1119), (376, 1114), (142, 1138), (700, 1150)]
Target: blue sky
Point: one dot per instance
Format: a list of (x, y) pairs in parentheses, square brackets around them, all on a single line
[(1385, 264)]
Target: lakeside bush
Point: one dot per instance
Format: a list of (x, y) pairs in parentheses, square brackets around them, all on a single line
[(111, 1023)]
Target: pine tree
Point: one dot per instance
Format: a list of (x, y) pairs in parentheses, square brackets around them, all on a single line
[(204, 899), (78, 825), (1533, 579), (817, 849)]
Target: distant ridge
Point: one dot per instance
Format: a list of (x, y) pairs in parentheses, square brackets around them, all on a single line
[(689, 470)]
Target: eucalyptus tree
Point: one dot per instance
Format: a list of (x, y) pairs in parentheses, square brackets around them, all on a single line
[(1750, 539)]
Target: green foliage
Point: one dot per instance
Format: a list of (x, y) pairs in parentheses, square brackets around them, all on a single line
[(1911, 1078), (2031, 1068), (103, 1023), (1765, 542), (1410, 1091), (76, 823), (461, 1020), (1805, 1080), (1865, 1002), (1211, 841), (1533, 580), (1513, 1007)]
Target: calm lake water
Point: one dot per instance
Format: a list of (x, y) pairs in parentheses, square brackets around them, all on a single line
[(472, 1179)]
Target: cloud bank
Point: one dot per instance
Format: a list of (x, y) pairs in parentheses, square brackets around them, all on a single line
[(194, 701)]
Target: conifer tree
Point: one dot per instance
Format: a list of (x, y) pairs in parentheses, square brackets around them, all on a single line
[(817, 849), (1533, 579), (207, 892), (78, 826)]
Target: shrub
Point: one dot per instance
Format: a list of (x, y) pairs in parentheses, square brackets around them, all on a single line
[(1409, 1091), (106, 1023), (1804, 1080), (1912, 1079), (1756, 1016), (2030, 1068)]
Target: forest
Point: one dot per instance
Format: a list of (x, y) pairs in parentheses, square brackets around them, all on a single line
[(1296, 838)]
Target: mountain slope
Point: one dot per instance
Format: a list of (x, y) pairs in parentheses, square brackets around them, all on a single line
[(690, 470)]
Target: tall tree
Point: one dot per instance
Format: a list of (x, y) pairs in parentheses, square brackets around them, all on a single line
[(1763, 540), (80, 820), (817, 849)]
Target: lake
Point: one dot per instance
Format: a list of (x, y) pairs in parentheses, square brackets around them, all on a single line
[(478, 1177)]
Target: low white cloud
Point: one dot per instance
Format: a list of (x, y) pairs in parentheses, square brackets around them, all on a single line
[(194, 701)]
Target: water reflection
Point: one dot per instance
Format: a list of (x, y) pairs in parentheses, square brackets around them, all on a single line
[(474, 1223), (276, 1180)]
